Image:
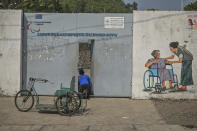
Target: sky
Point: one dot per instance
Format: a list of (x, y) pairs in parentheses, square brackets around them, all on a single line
[(160, 4)]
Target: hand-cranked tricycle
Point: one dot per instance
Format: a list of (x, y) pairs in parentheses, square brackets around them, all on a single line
[(66, 100)]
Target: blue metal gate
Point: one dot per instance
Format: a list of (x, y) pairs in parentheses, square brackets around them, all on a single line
[(50, 50)]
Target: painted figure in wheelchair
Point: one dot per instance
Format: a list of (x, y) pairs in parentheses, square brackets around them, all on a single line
[(160, 64)]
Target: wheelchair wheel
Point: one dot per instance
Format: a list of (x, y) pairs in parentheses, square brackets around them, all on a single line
[(148, 80)]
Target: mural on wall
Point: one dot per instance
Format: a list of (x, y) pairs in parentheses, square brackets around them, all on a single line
[(161, 70), (192, 22)]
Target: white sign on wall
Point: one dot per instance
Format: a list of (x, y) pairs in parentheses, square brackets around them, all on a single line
[(114, 22)]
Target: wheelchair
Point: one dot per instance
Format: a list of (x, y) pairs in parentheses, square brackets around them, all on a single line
[(152, 80)]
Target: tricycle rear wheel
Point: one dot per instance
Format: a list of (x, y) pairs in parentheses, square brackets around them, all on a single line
[(78, 98), (66, 104)]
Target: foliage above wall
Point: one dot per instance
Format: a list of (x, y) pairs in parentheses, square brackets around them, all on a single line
[(71, 6), (190, 7)]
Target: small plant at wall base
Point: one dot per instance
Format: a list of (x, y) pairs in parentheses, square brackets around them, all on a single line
[(152, 9)]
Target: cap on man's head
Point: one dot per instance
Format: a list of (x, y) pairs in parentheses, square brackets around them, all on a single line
[(80, 68)]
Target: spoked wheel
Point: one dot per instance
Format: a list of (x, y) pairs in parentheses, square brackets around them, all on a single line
[(24, 100), (66, 104), (148, 80), (72, 105)]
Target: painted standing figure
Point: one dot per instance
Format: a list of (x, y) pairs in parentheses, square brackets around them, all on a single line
[(185, 57)]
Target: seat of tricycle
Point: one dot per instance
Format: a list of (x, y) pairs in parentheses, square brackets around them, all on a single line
[(62, 91), (66, 90)]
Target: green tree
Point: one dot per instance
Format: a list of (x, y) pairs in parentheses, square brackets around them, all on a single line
[(81, 5), (106, 6), (70, 6), (12, 4), (5, 3), (66, 8), (190, 7), (132, 6), (42, 6), (32, 5)]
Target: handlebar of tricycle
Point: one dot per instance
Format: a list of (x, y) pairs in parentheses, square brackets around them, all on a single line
[(38, 79)]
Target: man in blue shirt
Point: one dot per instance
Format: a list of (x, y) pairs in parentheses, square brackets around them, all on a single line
[(84, 82)]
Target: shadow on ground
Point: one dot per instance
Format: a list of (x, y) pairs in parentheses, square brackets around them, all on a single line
[(77, 113), (181, 112)]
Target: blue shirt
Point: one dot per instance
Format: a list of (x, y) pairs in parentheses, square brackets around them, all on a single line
[(84, 79)]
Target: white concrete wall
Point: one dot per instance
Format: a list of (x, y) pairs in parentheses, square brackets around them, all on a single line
[(10, 51), (155, 30)]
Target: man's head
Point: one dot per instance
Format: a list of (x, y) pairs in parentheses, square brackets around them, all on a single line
[(81, 71), (156, 54)]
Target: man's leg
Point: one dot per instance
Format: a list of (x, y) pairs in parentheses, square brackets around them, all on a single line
[(88, 91), (80, 89)]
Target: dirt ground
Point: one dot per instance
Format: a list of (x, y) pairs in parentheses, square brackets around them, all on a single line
[(182, 112), (104, 114)]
